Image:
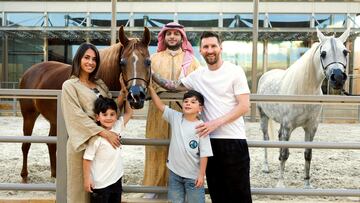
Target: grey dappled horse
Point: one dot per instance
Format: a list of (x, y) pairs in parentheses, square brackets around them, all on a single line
[(327, 59)]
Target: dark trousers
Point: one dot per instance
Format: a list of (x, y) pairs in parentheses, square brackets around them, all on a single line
[(228, 171), (110, 194)]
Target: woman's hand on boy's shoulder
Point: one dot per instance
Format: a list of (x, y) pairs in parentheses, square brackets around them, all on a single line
[(111, 137)]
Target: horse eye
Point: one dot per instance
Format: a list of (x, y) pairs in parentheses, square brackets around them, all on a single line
[(122, 62), (147, 62), (345, 52), (323, 54)]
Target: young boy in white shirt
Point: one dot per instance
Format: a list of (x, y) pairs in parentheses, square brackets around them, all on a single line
[(188, 153), (102, 163)]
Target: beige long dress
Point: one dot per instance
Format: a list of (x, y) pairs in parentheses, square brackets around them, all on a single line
[(168, 64), (77, 104)]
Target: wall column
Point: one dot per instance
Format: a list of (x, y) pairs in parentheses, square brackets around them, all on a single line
[(254, 56), (46, 43), (113, 22)]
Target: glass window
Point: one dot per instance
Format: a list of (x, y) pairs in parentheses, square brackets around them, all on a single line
[(104, 19), (289, 20), (61, 53), (62, 50), (23, 53), (330, 20), (152, 19), (283, 54), (241, 20), (357, 20), (280, 54), (240, 53), (199, 20), (67, 19), (24, 19), (1, 60)]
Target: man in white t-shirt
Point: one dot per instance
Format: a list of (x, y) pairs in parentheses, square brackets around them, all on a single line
[(226, 94)]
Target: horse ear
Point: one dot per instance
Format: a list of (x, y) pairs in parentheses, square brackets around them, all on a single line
[(146, 37), (344, 35), (122, 37), (320, 35)]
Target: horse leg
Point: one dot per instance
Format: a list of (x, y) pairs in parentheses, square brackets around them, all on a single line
[(309, 137), (29, 116), (52, 151), (284, 135), (264, 121)]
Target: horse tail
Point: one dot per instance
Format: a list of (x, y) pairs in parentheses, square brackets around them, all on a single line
[(271, 129)]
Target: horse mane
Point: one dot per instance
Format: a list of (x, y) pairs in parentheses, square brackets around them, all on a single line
[(299, 76), (109, 70)]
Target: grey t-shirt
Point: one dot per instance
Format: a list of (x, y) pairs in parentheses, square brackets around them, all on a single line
[(186, 147)]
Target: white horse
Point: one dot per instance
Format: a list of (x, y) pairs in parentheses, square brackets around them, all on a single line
[(327, 59)]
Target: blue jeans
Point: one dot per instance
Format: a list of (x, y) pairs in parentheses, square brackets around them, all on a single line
[(180, 186)]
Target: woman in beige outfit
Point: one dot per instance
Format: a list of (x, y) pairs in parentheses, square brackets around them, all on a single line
[(78, 96)]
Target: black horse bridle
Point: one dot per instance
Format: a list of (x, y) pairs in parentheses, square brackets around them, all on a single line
[(322, 56)]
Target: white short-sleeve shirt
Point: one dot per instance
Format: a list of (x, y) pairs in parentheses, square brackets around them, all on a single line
[(219, 89), (186, 147), (106, 162)]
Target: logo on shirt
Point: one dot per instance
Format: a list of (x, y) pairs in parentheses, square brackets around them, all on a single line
[(193, 144)]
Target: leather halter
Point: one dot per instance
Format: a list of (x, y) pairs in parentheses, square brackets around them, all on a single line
[(335, 62)]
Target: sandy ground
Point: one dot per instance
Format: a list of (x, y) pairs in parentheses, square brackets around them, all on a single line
[(331, 169)]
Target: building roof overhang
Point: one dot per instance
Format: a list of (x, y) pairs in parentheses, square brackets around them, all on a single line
[(99, 33)]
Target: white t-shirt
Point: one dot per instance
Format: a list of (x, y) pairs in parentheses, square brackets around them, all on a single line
[(186, 147), (106, 162), (219, 89)]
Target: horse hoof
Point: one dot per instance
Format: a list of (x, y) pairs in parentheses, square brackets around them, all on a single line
[(266, 169), (307, 187), (24, 180)]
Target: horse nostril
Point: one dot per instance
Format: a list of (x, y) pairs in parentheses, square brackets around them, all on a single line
[(338, 75), (332, 77)]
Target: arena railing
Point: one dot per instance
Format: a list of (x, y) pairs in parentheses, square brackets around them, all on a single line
[(60, 140), (13, 102)]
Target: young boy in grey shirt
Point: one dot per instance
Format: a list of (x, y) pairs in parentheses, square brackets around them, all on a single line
[(188, 152)]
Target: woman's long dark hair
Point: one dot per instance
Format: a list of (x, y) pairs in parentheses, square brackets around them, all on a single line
[(76, 63)]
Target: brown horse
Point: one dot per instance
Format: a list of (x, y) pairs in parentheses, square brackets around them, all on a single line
[(130, 58)]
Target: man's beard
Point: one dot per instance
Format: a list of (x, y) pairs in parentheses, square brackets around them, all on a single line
[(212, 61), (173, 47)]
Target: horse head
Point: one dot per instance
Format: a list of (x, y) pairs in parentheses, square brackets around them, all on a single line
[(333, 58), (135, 67)]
